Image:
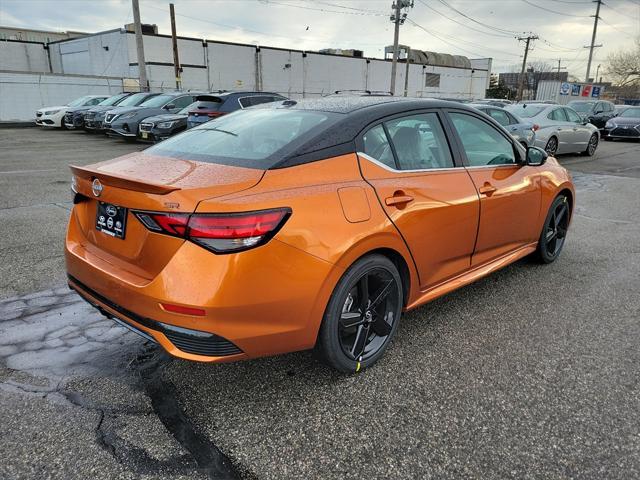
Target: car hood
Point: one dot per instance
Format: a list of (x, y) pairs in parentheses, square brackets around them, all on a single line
[(103, 108), (78, 109), (166, 117), (625, 121), (121, 110), (58, 107)]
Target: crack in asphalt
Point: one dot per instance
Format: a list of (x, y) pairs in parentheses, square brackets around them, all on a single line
[(57, 325)]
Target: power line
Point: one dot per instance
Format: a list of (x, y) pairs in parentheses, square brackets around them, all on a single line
[(616, 28), (555, 11), (497, 29), (363, 12), (503, 35)]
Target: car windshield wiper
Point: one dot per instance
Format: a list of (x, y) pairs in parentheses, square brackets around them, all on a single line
[(223, 131)]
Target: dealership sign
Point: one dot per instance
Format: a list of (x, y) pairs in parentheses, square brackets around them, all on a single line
[(578, 89), (564, 88)]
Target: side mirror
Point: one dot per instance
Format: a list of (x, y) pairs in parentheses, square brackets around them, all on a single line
[(169, 106), (536, 156)]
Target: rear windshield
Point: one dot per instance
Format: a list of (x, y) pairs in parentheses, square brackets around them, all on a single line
[(205, 105), (113, 100), (247, 138), (526, 111), (581, 107), (134, 100)]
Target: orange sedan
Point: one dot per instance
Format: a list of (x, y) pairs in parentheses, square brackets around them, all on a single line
[(309, 224)]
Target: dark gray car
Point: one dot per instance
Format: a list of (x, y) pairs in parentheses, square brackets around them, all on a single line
[(94, 117), (124, 121)]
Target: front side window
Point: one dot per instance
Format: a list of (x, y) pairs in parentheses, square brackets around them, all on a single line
[(420, 142), (183, 101), (499, 116), (377, 146), (572, 116), (482, 143)]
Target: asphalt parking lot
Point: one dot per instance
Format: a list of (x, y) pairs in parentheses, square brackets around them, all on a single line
[(529, 373)]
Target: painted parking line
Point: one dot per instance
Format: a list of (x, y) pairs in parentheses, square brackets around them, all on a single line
[(30, 171)]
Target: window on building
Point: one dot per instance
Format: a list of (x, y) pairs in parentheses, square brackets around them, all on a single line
[(432, 80)]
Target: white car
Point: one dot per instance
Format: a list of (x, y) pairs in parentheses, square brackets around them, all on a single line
[(54, 116)]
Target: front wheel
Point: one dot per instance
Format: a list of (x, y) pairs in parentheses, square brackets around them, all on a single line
[(591, 146), (362, 315), (554, 230)]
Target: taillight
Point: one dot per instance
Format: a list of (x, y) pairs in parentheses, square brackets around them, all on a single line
[(535, 127), (214, 114), (219, 232)]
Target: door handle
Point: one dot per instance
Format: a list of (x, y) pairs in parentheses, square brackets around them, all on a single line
[(399, 200), (487, 189)]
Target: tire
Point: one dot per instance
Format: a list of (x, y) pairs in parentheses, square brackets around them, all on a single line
[(552, 146), (554, 230), (355, 330), (591, 146), (62, 125)]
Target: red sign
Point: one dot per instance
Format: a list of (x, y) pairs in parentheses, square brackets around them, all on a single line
[(586, 90)]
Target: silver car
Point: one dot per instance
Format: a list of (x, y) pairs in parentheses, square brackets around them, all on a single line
[(522, 131), (559, 129)]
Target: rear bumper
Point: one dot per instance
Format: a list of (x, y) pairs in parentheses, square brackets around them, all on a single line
[(264, 301)]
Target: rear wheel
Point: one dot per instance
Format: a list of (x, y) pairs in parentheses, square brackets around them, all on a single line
[(591, 146), (554, 230), (552, 146), (362, 315)]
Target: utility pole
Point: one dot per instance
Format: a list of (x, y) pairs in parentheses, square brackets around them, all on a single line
[(398, 18), (142, 65), (524, 63), (593, 39), (174, 41), (560, 67)]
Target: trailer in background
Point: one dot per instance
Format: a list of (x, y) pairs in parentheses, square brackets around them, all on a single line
[(564, 92)]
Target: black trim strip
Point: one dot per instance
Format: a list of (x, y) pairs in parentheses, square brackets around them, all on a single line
[(188, 340)]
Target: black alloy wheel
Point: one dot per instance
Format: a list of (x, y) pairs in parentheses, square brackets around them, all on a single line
[(552, 146), (592, 145), (554, 231), (362, 315)]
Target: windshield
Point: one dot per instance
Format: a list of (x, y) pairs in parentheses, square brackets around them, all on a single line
[(133, 100), (158, 101), (113, 100), (582, 107), (78, 101), (630, 113), (526, 111), (206, 105), (246, 138)]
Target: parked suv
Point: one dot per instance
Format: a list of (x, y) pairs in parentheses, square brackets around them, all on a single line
[(161, 127), (54, 116), (74, 118), (596, 112), (94, 117), (227, 102), (124, 121)]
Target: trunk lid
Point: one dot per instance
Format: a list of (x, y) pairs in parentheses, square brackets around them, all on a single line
[(140, 181)]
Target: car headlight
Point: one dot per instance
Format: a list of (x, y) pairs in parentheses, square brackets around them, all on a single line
[(51, 112), (166, 124), (610, 125), (126, 115)]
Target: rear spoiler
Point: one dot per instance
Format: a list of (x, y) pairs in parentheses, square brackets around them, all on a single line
[(121, 181)]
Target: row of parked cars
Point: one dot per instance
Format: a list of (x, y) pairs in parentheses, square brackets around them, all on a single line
[(148, 116), (145, 116)]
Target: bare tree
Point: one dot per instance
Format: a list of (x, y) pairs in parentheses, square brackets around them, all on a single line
[(624, 67)]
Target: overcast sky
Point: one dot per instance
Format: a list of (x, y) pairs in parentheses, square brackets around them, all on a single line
[(488, 30)]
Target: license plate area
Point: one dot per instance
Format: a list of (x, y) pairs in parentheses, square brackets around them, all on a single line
[(111, 219)]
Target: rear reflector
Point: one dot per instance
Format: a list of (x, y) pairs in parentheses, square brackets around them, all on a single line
[(183, 310), (219, 232)]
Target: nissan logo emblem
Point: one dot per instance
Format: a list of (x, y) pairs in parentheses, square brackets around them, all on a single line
[(96, 187)]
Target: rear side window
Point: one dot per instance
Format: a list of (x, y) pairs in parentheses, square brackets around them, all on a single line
[(247, 138), (482, 143), (419, 142), (558, 115), (377, 146)]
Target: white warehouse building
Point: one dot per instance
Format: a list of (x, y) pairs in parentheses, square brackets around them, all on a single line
[(103, 58)]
